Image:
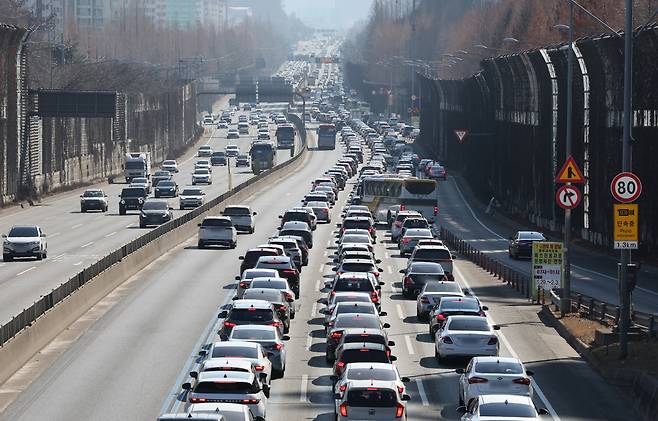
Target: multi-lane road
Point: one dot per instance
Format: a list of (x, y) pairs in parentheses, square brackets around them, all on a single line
[(127, 357), (76, 240)]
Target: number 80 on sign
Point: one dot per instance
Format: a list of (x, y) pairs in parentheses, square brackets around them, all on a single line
[(626, 187)]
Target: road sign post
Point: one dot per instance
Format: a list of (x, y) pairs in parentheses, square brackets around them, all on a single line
[(547, 266)]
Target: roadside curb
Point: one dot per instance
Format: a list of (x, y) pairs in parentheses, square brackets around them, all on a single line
[(638, 386)]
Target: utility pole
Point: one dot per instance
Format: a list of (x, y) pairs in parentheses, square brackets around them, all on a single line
[(412, 56), (624, 291), (565, 302)]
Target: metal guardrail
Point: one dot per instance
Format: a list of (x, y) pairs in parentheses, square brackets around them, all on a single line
[(522, 283), (25, 318)]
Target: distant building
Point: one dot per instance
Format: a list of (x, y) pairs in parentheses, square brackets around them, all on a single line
[(235, 15)]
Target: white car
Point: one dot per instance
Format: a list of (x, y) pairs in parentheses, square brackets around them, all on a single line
[(24, 241), (249, 274), (232, 150), (368, 371), (208, 120), (203, 163), (431, 295), (466, 336), (493, 375), (242, 217), (228, 386), (371, 399), (169, 165), (217, 230), (191, 197), (205, 150), (502, 408), (250, 351), (93, 199), (201, 175), (222, 125)]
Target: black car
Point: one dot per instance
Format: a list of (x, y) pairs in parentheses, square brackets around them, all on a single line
[(251, 257), (417, 274), (521, 244), (155, 212), (166, 188), (218, 158), (132, 198), (249, 312), (242, 161)]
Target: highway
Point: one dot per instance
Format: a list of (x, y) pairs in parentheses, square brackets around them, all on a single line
[(592, 273), (127, 357), (76, 240)]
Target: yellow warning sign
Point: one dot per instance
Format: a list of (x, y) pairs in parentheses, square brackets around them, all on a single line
[(625, 219), (570, 173)]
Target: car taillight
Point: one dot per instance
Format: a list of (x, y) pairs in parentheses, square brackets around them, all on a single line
[(446, 340), (522, 380), (440, 317), (371, 229), (336, 335), (424, 300), (250, 401), (259, 367), (403, 207), (398, 223), (290, 271), (400, 389), (492, 341), (289, 296), (482, 313), (436, 210), (229, 324), (342, 388), (275, 324), (340, 364), (343, 409), (278, 347), (197, 400), (330, 324), (374, 297), (406, 240), (408, 280), (244, 284), (283, 307), (376, 274), (474, 380), (399, 410)]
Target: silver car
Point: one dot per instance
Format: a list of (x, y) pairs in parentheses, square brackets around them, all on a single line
[(201, 175), (24, 241), (93, 199), (466, 336), (191, 197), (242, 217), (371, 399), (411, 237), (270, 340), (493, 375), (432, 293), (248, 275), (217, 230)]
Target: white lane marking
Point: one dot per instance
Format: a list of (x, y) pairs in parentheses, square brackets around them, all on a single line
[(53, 235), (326, 253), (26, 271), (502, 238), (304, 387), (77, 264), (76, 226), (59, 257), (410, 347), (86, 245), (309, 341), (314, 309), (507, 344), (389, 269), (2, 264), (421, 392), (129, 225), (110, 234), (321, 268), (398, 307), (388, 256), (317, 285)]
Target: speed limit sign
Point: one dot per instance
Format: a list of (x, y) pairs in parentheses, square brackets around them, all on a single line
[(626, 187)]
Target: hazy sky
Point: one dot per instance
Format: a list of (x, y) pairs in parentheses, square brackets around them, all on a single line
[(334, 14)]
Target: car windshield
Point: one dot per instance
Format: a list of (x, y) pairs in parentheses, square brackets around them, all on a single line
[(234, 351), (93, 193), (273, 284), (372, 397), (155, 205), (269, 264), (252, 256), (191, 192), (359, 298), (432, 254), (357, 267), (507, 410), (253, 334), (216, 222), (169, 163), (166, 183), (24, 232), (418, 233), (415, 223), (371, 373), (218, 154), (356, 224), (133, 192), (251, 314), (459, 305), (353, 284), (426, 268), (236, 211), (475, 324), (364, 355), (259, 273), (347, 321), (358, 239), (135, 165), (201, 171), (271, 295), (162, 174), (498, 367), (318, 205), (528, 236), (442, 287), (355, 308), (231, 387)]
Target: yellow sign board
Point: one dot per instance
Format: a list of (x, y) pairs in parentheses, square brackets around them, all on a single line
[(570, 173), (625, 225), (547, 266)]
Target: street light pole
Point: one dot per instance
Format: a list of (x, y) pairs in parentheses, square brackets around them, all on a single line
[(624, 291), (565, 302)]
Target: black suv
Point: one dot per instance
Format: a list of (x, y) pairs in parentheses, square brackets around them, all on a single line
[(132, 198)]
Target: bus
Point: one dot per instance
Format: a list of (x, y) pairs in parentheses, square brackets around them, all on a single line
[(327, 136), (263, 156), (285, 136), (386, 194)]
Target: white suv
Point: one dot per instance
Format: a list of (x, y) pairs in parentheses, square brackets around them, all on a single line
[(217, 230)]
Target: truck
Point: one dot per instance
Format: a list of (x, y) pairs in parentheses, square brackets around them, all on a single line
[(285, 136), (263, 156), (137, 164), (327, 136)]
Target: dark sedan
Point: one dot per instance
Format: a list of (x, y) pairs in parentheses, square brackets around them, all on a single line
[(520, 245), (166, 188), (155, 212)]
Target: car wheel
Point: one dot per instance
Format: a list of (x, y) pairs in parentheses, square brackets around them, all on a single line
[(7, 258), (39, 256), (437, 356), (234, 245), (122, 211), (45, 254), (252, 230), (420, 316), (83, 210), (142, 225), (105, 208), (329, 359), (292, 315), (200, 245)]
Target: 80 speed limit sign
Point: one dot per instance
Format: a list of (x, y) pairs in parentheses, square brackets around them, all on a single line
[(626, 187)]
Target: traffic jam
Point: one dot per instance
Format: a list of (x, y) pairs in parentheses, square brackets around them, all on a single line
[(356, 301)]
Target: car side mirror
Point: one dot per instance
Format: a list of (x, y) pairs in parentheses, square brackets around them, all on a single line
[(4, 235), (322, 311), (222, 315), (391, 343), (237, 278), (203, 353), (393, 358), (323, 300), (80, 195), (383, 313), (402, 270), (543, 411), (485, 308), (235, 297), (186, 386), (118, 195), (459, 371), (254, 214), (241, 258), (339, 225), (405, 379), (496, 327), (378, 261), (43, 235), (386, 325), (454, 256), (334, 269), (194, 374), (285, 338)]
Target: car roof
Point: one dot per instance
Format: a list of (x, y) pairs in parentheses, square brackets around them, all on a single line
[(244, 344), (266, 293), (363, 330), (369, 261), (227, 362), (274, 259), (417, 231), (217, 218), (251, 303), (254, 327), (431, 246), (296, 225), (237, 207), (453, 300), (497, 359), (186, 416), (356, 218)]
